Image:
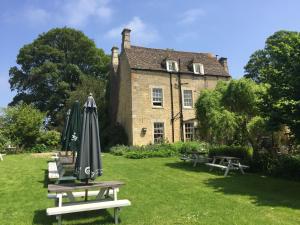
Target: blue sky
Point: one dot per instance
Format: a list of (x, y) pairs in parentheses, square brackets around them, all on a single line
[(229, 28)]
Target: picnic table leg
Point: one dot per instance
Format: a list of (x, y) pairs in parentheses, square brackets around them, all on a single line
[(116, 213), (58, 220), (1, 157), (241, 169), (226, 171), (228, 168), (196, 160), (213, 162)]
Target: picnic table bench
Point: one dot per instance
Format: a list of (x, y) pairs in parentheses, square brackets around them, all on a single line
[(56, 172), (105, 198), (227, 163)]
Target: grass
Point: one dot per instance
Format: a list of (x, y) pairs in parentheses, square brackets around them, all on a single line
[(163, 191)]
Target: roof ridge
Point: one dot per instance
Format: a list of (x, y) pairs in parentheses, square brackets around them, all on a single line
[(166, 50)]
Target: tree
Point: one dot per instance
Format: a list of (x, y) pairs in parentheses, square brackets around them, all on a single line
[(225, 114), (21, 124), (278, 65), (88, 85), (52, 66)]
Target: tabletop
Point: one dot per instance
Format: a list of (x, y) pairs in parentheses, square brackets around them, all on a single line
[(227, 157), (59, 188)]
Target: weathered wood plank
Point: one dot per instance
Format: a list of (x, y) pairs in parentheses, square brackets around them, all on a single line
[(59, 188)]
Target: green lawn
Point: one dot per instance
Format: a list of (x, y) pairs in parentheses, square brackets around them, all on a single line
[(162, 191)]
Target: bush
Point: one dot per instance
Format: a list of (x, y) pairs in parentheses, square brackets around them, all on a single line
[(39, 148), (4, 141), (21, 124), (242, 152), (49, 138), (190, 147), (147, 151), (285, 166)]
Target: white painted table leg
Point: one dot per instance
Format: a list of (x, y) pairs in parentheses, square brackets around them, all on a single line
[(1, 157), (241, 168), (213, 162), (116, 212), (228, 168), (115, 194)]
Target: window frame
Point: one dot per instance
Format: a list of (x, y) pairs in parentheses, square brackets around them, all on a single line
[(183, 98), (201, 66), (172, 61), (163, 132), (190, 133), (162, 97)]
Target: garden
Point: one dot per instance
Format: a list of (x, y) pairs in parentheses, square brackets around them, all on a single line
[(254, 119), (163, 191)]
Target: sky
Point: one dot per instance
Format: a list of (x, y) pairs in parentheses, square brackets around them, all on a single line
[(229, 28)]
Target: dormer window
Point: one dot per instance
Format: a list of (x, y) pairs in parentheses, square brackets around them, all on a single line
[(172, 66), (198, 68)]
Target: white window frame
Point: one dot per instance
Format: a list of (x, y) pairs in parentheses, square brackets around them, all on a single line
[(168, 63), (162, 93), (201, 72), (183, 102), (192, 133), (163, 133)]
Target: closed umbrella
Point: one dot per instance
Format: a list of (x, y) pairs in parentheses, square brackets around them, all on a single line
[(88, 164), (74, 129), (64, 131)]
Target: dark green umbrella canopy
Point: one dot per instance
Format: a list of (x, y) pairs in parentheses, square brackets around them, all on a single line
[(88, 164), (64, 131), (74, 128)]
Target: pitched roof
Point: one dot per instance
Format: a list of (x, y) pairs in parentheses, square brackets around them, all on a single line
[(153, 59)]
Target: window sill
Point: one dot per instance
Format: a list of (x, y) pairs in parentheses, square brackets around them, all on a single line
[(157, 107), (188, 108)]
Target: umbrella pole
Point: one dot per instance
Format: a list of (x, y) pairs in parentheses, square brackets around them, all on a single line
[(73, 157), (86, 191)]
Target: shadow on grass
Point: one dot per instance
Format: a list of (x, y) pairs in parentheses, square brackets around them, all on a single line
[(189, 167), (262, 190), (45, 181), (82, 218)]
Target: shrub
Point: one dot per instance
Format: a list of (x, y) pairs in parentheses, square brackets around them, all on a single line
[(38, 148), (285, 166), (190, 147), (242, 152), (147, 151), (4, 141), (119, 150), (49, 138), (21, 124)]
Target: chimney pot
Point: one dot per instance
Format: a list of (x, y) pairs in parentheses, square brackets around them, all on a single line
[(125, 38)]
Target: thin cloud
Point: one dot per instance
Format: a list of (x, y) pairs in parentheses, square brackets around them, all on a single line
[(30, 15), (75, 13), (142, 33), (191, 15)]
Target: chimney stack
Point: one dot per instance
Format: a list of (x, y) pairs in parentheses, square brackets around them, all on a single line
[(223, 62), (125, 38), (115, 58)]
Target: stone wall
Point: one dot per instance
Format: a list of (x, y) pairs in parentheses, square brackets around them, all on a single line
[(144, 114)]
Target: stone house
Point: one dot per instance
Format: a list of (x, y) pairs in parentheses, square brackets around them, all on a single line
[(153, 91)]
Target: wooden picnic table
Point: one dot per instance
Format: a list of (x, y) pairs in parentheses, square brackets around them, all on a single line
[(11, 149), (227, 163), (105, 197), (195, 157)]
